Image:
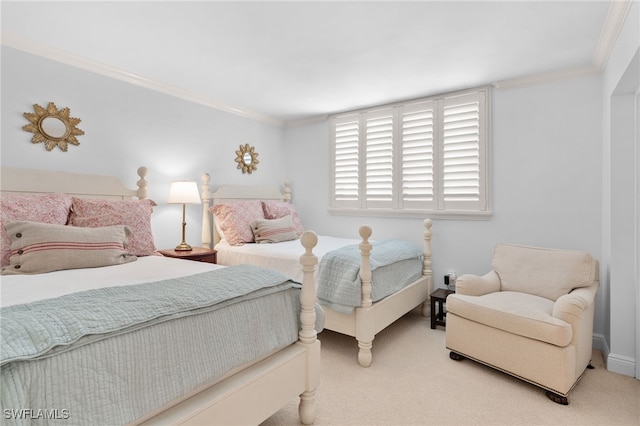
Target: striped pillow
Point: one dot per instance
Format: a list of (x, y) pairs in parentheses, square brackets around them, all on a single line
[(274, 230), (42, 247)]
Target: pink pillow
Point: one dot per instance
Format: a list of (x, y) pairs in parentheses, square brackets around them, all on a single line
[(136, 214), (234, 219), (42, 208), (279, 209)]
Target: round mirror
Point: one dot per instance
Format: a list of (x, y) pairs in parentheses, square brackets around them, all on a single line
[(52, 126), (247, 158)]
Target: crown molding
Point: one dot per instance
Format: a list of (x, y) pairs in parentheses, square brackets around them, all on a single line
[(306, 121), (546, 77), (617, 14), (58, 55)]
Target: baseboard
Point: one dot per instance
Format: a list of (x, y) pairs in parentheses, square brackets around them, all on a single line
[(600, 343), (621, 364), (615, 363)]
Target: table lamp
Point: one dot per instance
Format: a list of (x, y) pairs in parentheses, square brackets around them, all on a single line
[(183, 192)]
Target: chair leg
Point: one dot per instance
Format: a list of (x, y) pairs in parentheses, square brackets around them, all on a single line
[(559, 399), (456, 356)]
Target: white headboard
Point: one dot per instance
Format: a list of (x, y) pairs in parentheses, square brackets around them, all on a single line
[(76, 184), (235, 193)]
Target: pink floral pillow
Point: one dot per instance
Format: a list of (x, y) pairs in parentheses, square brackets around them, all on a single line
[(136, 214), (278, 209), (234, 219), (24, 207)]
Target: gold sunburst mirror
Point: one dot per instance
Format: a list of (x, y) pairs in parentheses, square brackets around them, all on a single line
[(53, 127), (247, 158)]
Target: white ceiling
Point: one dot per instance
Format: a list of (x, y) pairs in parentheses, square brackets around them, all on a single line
[(294, 60)]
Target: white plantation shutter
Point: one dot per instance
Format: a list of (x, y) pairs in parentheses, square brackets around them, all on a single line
[(379, 158), (461, 152), (429, 156), (346, 161), (417, 155)]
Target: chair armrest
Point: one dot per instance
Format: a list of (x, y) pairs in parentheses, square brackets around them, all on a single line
[(570, 307), (476, 285)]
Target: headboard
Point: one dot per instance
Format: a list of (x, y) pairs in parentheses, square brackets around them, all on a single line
[(76, 184), (235, 193)]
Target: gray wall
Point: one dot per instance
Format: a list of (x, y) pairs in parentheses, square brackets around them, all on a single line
[(547, 181), (127, 126), (621, 198)]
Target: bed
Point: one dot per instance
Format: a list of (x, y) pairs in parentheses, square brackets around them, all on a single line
[(141, 339), (368, 313)]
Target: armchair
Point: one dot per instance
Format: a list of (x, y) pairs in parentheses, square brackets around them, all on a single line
[(531, 316)]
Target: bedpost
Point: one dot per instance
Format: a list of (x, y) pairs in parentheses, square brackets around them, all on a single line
[(206, 217), (426, 269), (364, 331), (287, 191), (307, 334), (308, 295), (365, 265), (142, 183)]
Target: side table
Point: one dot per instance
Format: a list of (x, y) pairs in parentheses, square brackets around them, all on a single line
[(198, 254), (438, 298)]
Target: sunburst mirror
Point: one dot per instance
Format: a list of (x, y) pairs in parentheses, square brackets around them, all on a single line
[(53, 127), (247, 158)]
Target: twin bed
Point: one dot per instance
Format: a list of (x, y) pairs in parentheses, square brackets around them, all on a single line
[(93, 335), (401, 272)]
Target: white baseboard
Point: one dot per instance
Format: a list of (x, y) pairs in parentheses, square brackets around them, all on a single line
[(621, 364), (600, 343), (614, 362)]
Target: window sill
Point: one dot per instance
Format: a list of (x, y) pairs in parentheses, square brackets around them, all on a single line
[(419, 214)]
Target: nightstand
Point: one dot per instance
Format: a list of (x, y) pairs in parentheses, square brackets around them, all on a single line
[(438, 298), (198, 254)]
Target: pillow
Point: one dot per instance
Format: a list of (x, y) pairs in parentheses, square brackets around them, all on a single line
[(44, 208), (235, 220), (136, 214), (274, 230), (42, 247), (276, 209)]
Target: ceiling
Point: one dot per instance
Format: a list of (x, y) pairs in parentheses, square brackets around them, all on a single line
[(294, 60)]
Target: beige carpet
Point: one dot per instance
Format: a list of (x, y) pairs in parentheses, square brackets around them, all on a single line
[(412, 381)]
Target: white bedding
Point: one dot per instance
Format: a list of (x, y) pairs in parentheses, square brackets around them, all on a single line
[(17, 289), (283, 257)]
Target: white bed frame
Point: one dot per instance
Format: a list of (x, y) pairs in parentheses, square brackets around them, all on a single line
[(247, 396), (368, 319)]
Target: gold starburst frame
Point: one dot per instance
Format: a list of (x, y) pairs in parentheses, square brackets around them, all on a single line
[(53, 127), (247, 158)]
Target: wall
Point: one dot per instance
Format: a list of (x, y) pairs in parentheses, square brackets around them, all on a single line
[(621, 201), (127, 126), (547, 181)]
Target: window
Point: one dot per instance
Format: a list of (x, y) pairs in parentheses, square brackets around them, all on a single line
[(426, 156)]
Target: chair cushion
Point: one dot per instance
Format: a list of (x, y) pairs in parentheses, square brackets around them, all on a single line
[(543, 272), (517, 313)]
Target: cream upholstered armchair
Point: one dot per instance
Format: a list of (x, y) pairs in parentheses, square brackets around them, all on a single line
[(531, 316)]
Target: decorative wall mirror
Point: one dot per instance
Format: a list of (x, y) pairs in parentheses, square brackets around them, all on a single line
[(247, 158), (53, 127)]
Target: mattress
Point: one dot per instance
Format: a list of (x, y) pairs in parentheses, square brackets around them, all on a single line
[(394, 264), (118, 376), (283, 257)]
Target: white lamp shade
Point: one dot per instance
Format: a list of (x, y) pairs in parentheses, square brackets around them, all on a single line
[(184, 192)]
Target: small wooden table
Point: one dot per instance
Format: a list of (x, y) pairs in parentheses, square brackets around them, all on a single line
[(438, 298), (198, 254)]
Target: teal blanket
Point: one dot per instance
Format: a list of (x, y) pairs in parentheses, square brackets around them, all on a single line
[(49, 326), (394, 264)]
